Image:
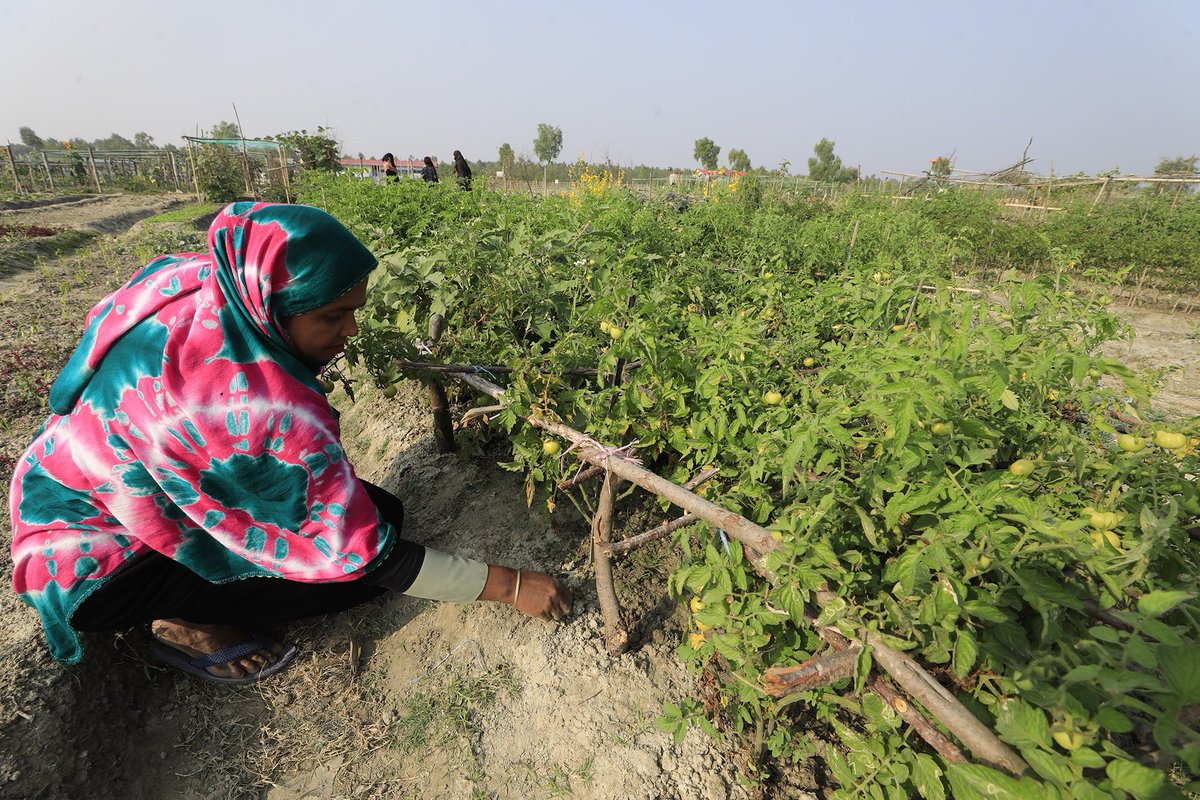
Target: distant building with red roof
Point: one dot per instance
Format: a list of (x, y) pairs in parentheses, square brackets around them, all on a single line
[(373, 168)]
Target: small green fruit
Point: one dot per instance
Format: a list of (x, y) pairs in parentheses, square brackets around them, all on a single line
[(1022, 467), (1130, 443), (1169, 440)]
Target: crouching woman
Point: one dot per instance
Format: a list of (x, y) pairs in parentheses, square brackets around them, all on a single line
[(191, 474)]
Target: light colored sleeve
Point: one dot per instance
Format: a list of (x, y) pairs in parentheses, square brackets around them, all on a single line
[(446, 577)]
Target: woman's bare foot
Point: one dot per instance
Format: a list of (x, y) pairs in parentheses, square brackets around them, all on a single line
[(196, 639)]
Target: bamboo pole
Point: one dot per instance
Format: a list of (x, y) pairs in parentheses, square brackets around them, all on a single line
[(46, 166), (245, 158), (195, 177), (283, 166), (174, 171), (1099, 194), (12, 165), (95, 174), (757, 540), (853, 239)]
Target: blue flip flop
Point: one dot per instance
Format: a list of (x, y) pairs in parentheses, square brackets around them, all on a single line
[(198, 666)]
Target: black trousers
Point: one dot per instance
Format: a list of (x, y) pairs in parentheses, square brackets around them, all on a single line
[(154, 587)]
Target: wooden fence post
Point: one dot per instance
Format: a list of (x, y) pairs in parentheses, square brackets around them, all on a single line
[(46, 164), (283, 166), (12, 164), (195, 178), (95, 174), (174, 171)]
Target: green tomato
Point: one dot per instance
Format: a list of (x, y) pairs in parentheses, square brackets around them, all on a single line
[(1130, 443), (808, 362), (1104, 520), (941, 429), (1169, 440), (772, 398), (1022, 467), (390, 391)]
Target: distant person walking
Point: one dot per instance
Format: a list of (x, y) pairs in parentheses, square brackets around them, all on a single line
[(462, 171), (429, 171), (390, 174)]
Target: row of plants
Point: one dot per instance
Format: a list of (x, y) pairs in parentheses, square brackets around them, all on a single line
[(961, 468)]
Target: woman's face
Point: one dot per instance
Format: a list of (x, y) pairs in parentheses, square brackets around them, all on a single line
[(321, 334)]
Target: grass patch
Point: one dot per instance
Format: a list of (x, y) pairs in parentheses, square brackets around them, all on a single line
[(19, 255), (449, 713)]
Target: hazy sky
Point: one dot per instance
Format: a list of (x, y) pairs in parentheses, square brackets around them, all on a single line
[(1097, 85)]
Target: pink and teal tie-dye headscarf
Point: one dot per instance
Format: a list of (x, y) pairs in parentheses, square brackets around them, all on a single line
[(186, 422)]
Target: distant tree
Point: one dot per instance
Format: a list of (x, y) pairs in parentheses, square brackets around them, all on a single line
[(1180, 166), (827, 167), (547, 145), (224, 130), (506, 158), (706, 152), (143, 141), (30, 138), (738, 160), (113, 141)]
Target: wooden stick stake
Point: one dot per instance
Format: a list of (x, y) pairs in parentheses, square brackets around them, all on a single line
[(615, 636), (443, 422), (95, 175), (195, 177), (46, 166), (12, 164)]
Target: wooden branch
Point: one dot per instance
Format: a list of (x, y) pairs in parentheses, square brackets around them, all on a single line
[(910, 714), (475, 413), (820, 671), (443, 422), (1035, 208), (582, 477), (615, 636), (743, 530), (652, 535), (922, 686), (701, 478), (454, 369), (963, 289), (907, 711), (757, 541)]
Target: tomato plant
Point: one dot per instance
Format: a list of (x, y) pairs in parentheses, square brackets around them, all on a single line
[(956, 466)]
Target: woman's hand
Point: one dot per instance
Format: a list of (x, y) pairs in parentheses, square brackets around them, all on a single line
[(534, 593)]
